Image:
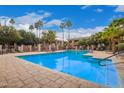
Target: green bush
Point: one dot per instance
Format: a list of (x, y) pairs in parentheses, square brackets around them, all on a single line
[(120, 46)]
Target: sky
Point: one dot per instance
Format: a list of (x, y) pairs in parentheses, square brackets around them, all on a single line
[(86, 19)]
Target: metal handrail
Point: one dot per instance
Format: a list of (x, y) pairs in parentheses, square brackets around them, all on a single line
[(117, 53)]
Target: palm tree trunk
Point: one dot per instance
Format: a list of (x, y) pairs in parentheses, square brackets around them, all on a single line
[(68, 38), (38, 35), (63, 40)]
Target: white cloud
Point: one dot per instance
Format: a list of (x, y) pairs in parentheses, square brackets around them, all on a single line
[(80, 32), (99, 10), (119, 8), (22, 26), (4, 20), (54, 22), (31, 18), (85, 6), (23, 22)]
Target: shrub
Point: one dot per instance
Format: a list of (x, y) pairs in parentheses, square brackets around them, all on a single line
[(120, 46)]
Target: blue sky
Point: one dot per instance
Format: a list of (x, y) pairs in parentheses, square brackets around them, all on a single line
[(86, 20)]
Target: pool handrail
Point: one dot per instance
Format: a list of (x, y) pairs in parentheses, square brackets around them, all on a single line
[(117, 53)]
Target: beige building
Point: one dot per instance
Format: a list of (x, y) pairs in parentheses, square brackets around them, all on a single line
[(73, 43)]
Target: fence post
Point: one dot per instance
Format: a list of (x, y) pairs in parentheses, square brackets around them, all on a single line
[(30, 48), (22, 48), (49, 47), (57, 47), (39, 47)]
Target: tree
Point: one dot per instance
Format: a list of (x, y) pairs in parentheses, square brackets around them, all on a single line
[(3, 36), (31, 27), (49, 37), (111, 34), (13, 36), (62, 26), (12, 21), (28, 38), (68, 24), (9, 36), (38, 25), (82, 42)]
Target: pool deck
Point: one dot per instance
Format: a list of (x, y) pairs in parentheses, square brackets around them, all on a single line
[(18, 73)]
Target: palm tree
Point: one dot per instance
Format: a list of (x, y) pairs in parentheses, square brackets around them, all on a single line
[(31, 27), (12, 21), (62, 26), (111, 34), (119, 23), (68, 24), (38, 24)]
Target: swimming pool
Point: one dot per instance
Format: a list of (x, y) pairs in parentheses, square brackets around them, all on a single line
[(76, 64)]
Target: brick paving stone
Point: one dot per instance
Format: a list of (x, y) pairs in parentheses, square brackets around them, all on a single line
[(28, 81), (66, 77), (10, 77), (3, 84), (91, 85), (44, 81), (70, 85), (13, 80), (2, 79), (38, 78), (34, 73), (52, 84), (53, 77), (42, 71), (4, 74), (24, 77), (33, 85), (60, 81), (17, 84), (74, 80), (43, 76)]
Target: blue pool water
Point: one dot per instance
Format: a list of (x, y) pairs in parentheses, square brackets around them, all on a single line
[(76, 64)]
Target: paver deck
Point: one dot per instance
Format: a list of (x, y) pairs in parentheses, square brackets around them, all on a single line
[(18, 73)]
